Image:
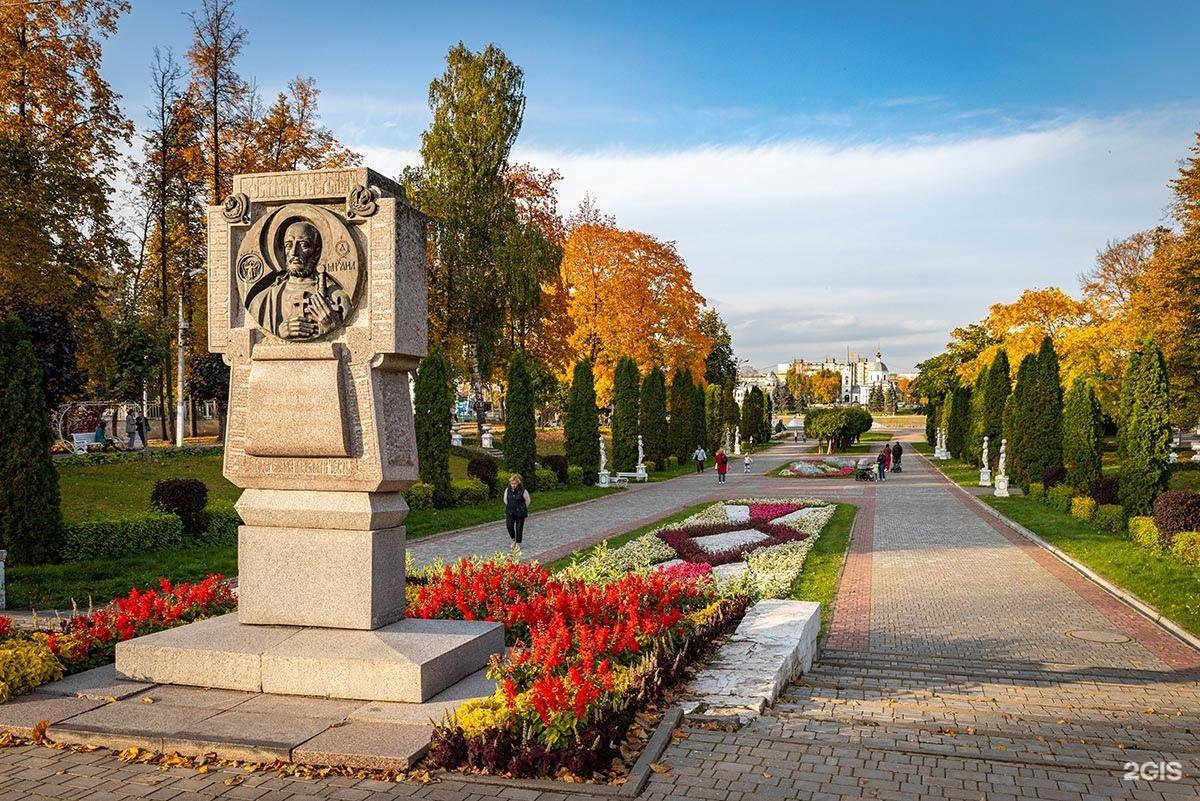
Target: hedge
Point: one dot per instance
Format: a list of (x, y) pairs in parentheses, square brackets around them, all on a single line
[(419, 495), (1037, 491), (1083, 508), (1110, 517), (122, 536), (1143, 532), (1186, 546), (574, 476), (545, 480), (1060, 497), (469, 491), (221, 524)]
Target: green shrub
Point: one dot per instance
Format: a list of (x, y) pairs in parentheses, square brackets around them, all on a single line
[(1037, 491), (1083, 508), (581, 429), (485, 468), (1145, 430), (672, 461), (626, 382), (558, 465), (221, 524), (1176, 511), (574, 476), (469, 492), (501, 481), (650, 465), (122, 536), (24, 665), (1186, 546), (419, 495), (1110, 517), (433, 395), (1143, 532), (184, 497), (1060, 497), (545, 480)]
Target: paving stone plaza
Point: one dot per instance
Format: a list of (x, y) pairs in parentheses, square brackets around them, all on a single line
[(962, 662)]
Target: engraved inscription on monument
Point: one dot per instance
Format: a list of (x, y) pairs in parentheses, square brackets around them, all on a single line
[(297, 271)]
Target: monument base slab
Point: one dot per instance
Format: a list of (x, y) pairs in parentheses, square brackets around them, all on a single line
[(409, 661), (328, 578)]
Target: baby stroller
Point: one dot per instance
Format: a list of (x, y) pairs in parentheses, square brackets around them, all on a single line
[(865, 470)]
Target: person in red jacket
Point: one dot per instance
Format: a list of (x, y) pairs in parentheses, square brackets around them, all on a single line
[(722, 465), (887, 458)]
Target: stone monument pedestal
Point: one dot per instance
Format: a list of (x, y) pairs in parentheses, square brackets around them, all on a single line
[(603, 478), (985, 477), (1001, 487), (317, 302), (407, 661)]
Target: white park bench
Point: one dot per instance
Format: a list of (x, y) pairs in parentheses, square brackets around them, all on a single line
[(635, 475), (80, 442)]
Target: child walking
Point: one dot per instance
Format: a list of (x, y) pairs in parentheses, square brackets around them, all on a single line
[(746, 463)]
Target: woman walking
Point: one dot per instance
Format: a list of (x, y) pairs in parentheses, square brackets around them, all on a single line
[(516, 507), (722, 465), (897, 453), (887, 457)]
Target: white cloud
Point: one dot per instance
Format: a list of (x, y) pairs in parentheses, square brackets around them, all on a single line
[(807, 247)]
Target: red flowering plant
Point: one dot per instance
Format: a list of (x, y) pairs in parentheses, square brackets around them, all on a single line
[(584, 657), (85, 641)]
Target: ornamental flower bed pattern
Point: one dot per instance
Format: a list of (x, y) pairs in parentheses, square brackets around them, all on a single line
[(31, 658), (584, 659), (828, 467)]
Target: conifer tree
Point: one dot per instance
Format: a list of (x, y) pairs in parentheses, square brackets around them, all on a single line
[(875, 399), (680, 429), (30, 511), (520, 431), (714, 418), (700, 424), (752, 411), (733, 414), (652, 416), (1043, 443), (1017, 424), (581, 429), (958, 419), (625, 414), (768, 413), (1146, 430), (999, 387), (973, 444), (433, 401), (1083, 429)]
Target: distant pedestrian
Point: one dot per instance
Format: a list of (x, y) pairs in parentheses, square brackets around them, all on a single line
[(795, 436), (722, 465), (881, 466), (131, 432), (897, 452), (102, 437), (143, 429), (516, 507), (700, 456), (887, 457), (746, 463)]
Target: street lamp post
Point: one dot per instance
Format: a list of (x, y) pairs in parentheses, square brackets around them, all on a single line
[(179, 407)]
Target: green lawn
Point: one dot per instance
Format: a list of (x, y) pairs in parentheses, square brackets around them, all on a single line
[(1166, 583), (92, 491), (822, 568)]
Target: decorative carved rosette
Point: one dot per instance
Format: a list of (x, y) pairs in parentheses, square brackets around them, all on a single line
[(236, 208), (362, 202)]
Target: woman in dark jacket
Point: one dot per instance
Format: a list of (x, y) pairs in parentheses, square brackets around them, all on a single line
[(516, 507)]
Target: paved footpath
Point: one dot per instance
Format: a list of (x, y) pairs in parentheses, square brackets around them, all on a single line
[(961, 663)]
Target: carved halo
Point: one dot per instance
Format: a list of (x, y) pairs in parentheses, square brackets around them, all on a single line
[(261, 262)]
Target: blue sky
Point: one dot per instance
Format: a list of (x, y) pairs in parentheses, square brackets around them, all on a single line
[(836, 174)]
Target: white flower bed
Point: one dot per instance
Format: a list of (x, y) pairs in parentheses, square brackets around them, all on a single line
[(810, 519), (604, 564), (716, 543), (736, 513), (773, 570)]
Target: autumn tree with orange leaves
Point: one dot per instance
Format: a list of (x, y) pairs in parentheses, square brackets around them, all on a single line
[(629, 293)]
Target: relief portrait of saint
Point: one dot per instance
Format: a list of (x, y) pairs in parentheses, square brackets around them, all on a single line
[(303, 302)]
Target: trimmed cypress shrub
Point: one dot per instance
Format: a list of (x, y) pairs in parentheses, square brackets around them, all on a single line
[(520, 432), (999, 387), (1083, 431), (31, 525), (958, 419), (680, 430), (976, 428), (1043, 442), (765, 432), (752, 405), (432, 405), (1145, 430), (933, 413), (625, 415), (699, 423), (714, 418), (733, 413), (652, 417), (582, 426)]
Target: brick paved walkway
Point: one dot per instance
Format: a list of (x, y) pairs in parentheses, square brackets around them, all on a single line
[(949, 672)]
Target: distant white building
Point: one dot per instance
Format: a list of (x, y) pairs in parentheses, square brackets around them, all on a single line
[(859, 374)]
